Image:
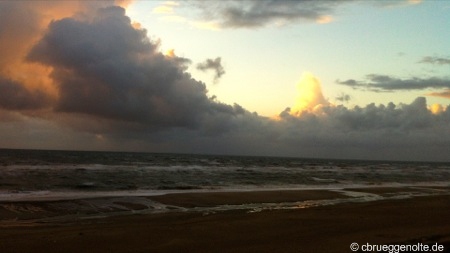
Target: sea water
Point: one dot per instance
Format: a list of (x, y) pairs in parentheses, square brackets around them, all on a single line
[(41, 186), (42, 174)]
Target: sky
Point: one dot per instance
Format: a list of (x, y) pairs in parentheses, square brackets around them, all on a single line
[(347, 79)]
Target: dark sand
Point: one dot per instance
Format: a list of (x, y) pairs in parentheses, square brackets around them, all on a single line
[(235, 198), (391, 191), (318, 229)]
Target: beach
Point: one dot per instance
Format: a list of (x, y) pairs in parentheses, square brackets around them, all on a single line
[(321, 228)]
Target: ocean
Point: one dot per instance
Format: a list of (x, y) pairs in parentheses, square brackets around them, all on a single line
[(104, 179)]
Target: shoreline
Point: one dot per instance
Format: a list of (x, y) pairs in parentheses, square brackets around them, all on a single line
[(48, 195), (40, 211), (328, 228)]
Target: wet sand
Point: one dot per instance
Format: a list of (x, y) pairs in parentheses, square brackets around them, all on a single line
[(329, 228), (209, 199)]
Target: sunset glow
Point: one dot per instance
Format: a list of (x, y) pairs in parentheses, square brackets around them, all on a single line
[(310, 95)]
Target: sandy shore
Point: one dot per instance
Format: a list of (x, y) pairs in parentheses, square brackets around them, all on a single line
[(319, 229), (209, 199)]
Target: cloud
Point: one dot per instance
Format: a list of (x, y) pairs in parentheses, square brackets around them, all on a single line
[(382, 132), (414, 1), (253, 14), (376, 82), (371, 132), (169, 12), (14, 96), (394, 4), (435, 60), (213, 64), (99, 83), (183, 63), (20, 78), (437, 108), (165, 8), (343, 97), (443, 94), (235, 14), (309, 97), (104, 67)]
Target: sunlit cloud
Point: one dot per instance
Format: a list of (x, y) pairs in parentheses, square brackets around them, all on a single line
[(212, 26), (414, 1), (170, 53), (17, 37), (324, 19), (123, 3), (397, 3), (166, 8), (443, 94), (136, 25), (173, 18), (437, 108), (310, 97), (168, 14), (163, 10)]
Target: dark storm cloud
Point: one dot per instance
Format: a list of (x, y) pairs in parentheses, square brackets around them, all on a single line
[(435, 60), (25, 86), (373, 132), (399, 132), (14, 96), (104, 67), (213, 64), (404, 131), (391, 117), (375, 82), (404, 117)]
